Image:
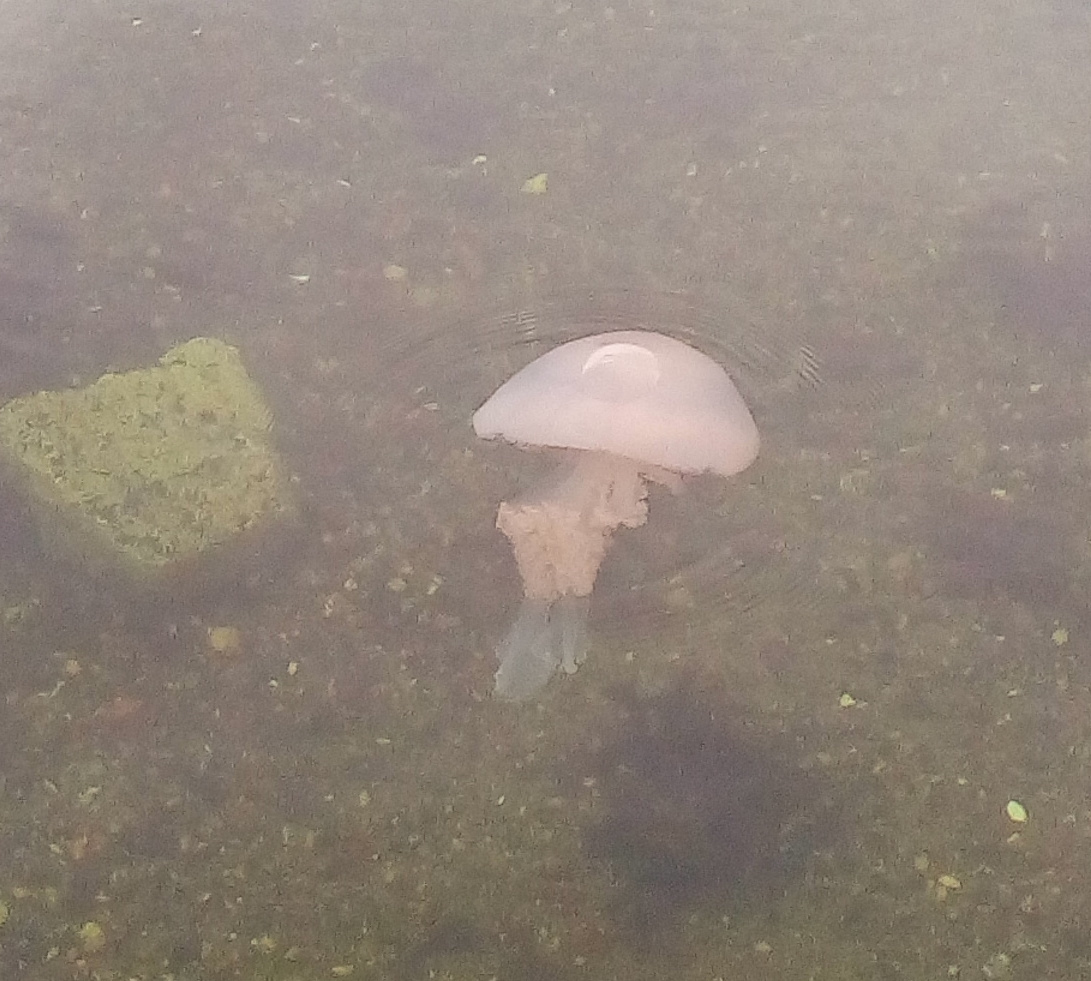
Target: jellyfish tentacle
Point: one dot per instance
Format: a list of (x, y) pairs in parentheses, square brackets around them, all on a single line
[(528, 655), (569, 620), (545, 636)]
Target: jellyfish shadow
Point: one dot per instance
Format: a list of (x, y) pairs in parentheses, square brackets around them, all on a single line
[(697, 812)]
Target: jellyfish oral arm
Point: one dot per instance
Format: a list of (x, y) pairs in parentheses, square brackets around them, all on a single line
[(560, 535)]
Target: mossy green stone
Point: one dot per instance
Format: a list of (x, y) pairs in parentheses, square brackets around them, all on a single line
[(153, 466)]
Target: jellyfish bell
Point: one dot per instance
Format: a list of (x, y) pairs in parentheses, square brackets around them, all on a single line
[(630, 393), (630, 406)]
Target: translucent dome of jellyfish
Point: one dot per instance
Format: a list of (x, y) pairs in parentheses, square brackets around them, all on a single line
[(627, 407)]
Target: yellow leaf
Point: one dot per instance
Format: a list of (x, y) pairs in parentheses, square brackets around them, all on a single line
[(92, 936), (538, 184)]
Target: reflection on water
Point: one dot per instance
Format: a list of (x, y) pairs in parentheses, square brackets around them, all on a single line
[(809, 701)]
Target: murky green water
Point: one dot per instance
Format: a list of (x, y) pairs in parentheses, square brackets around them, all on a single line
[(812, 689)]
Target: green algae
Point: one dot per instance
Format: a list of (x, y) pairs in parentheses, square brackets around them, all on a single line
[(153, 466)]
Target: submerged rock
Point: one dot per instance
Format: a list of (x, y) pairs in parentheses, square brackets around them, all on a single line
[(150, 470)]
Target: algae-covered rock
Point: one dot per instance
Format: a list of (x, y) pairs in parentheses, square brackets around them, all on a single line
[(152, 467)]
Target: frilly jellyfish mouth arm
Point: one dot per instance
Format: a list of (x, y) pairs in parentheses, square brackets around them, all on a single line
[(560, 534)]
